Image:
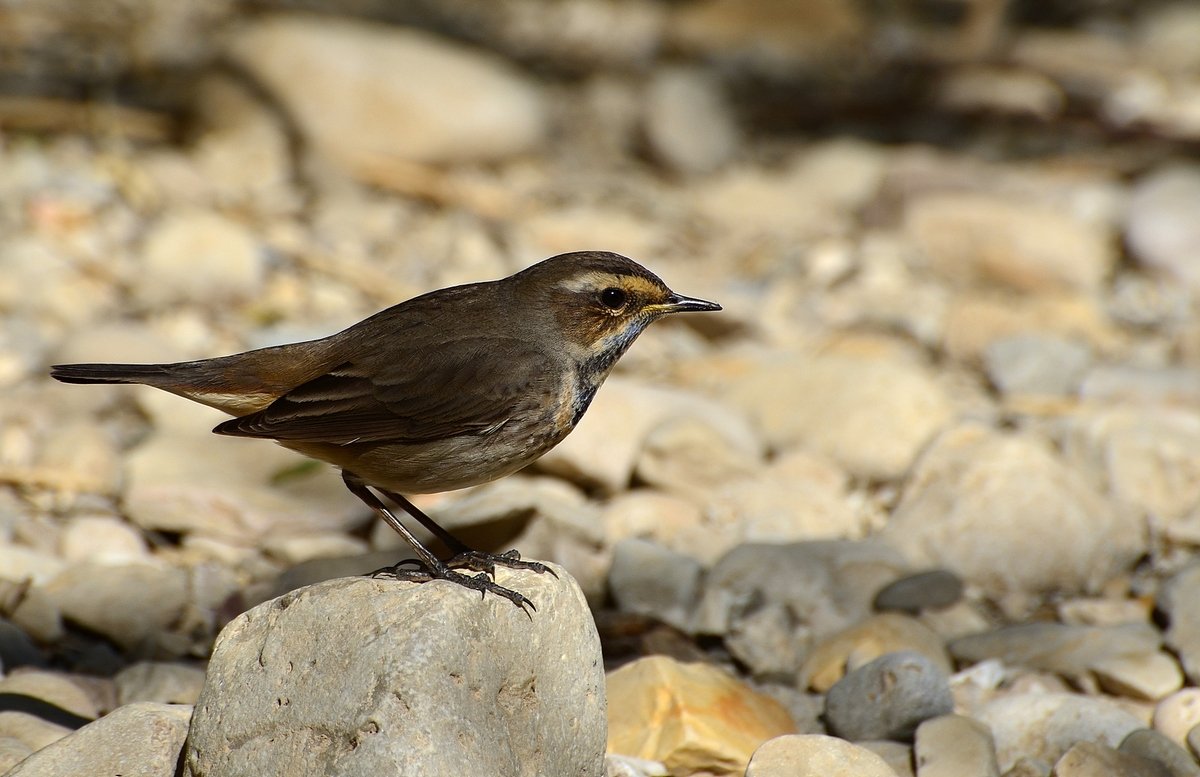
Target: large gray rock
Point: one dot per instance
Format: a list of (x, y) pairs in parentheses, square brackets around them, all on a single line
[(362, 676), (136, 740), (888, 698)]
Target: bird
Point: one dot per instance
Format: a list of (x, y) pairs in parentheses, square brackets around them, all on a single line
[(453, 388)]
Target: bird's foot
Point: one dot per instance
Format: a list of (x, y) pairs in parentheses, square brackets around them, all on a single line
[(419, 573), (480, 561)]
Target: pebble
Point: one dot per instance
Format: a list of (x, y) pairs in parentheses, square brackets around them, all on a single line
[(815, 755), (1176, 600), (688, 126), (1057, 647), (888, 697), (1162, 223), (627, 766), (104, 539), (690, 717), (954, 745), (143, 739), (1178, 714), (1044, 726), (1036, 364), (1153, 746), (897, 755), (974, 482), (441, 681), (688, 455), (159, 681), (1092, 759), (1146, 676), (767, 641), (870, 638), (135, 605), (831, 402), (54, 687), (648, 579), (990, 239), (199, 256), (935, 589), (346, 85)]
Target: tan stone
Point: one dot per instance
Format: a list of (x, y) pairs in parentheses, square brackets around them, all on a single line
[(831, 658)]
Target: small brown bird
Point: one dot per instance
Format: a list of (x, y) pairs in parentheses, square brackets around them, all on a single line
[(450, 389)]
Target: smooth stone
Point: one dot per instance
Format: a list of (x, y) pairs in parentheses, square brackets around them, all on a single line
[(688, 455), (832, 402), (1154, 746), (690, 717), (12, 752), (1092, 759), (969, 503), (1136, 384), (1147, 676), (975, 319), (1097, 611), (867, 640), (627, 766), (897, 755), (935, 589), (648, 579), (102, 538), (159, 681), (31, 731), (1176, 598), (1044, 726), (1057, 647), (1036, 364), (888, 698), (199, 256), (134, 605), (954, 745), (53, 687), (828, 585), (688, 126), (988, 239), (767, 642), (1162, 222), (373, 676), (1178, 714), (142, 740), (815, 755), (348, 86), (17, 648)]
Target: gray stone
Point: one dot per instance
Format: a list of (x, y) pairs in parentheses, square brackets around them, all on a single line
[(367, 676), (1162, 223), (1177, 598), (1092, 759), (649, 579), (953, 745), (935, 589), (815, 755), (888, 698), (136, 740), (768, 640), (16, 648), (1042, 726), (1178, 714), (1036, 364), (1153, 746), (1057, 647), (897, 755)]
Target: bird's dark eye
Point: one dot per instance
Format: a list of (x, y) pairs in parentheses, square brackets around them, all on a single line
[(613, 298)]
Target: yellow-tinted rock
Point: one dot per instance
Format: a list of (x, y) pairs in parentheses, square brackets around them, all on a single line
[(866, 641), (691, 717)]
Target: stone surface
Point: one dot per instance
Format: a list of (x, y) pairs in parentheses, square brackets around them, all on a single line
[(1151, 745), (199, 256), (687, 124), (982, 238), (134, 605), (815, 755), (347, 85), (648, 579), (691, 717), (103, 539), (865, 641), (888, 698), (935, 589), (953, 745), (978, 500), (831, 403), (134, 740), (1057, 647), (1045, 725), (1178, 714), (157, 681), (1092, 759), (1146, 676), (362, 675), (1175, 599), (1036, 364), (1162, 223)]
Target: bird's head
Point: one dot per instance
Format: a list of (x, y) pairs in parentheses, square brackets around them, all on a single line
[(600, 301)]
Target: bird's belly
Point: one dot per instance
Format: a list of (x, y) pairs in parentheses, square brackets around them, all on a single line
[(441, 465)]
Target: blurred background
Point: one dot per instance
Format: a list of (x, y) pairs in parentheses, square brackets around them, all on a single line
[(957, 243)]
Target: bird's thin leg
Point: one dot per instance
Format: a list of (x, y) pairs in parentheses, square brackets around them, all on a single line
[(431, 568), (466, 557)]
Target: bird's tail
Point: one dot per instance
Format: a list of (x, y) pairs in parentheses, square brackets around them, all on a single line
[(150, 374)]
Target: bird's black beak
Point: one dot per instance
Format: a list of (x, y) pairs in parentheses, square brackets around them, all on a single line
[(677, 303)]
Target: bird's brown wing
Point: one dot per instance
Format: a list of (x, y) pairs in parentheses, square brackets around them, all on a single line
[(465, 386)]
